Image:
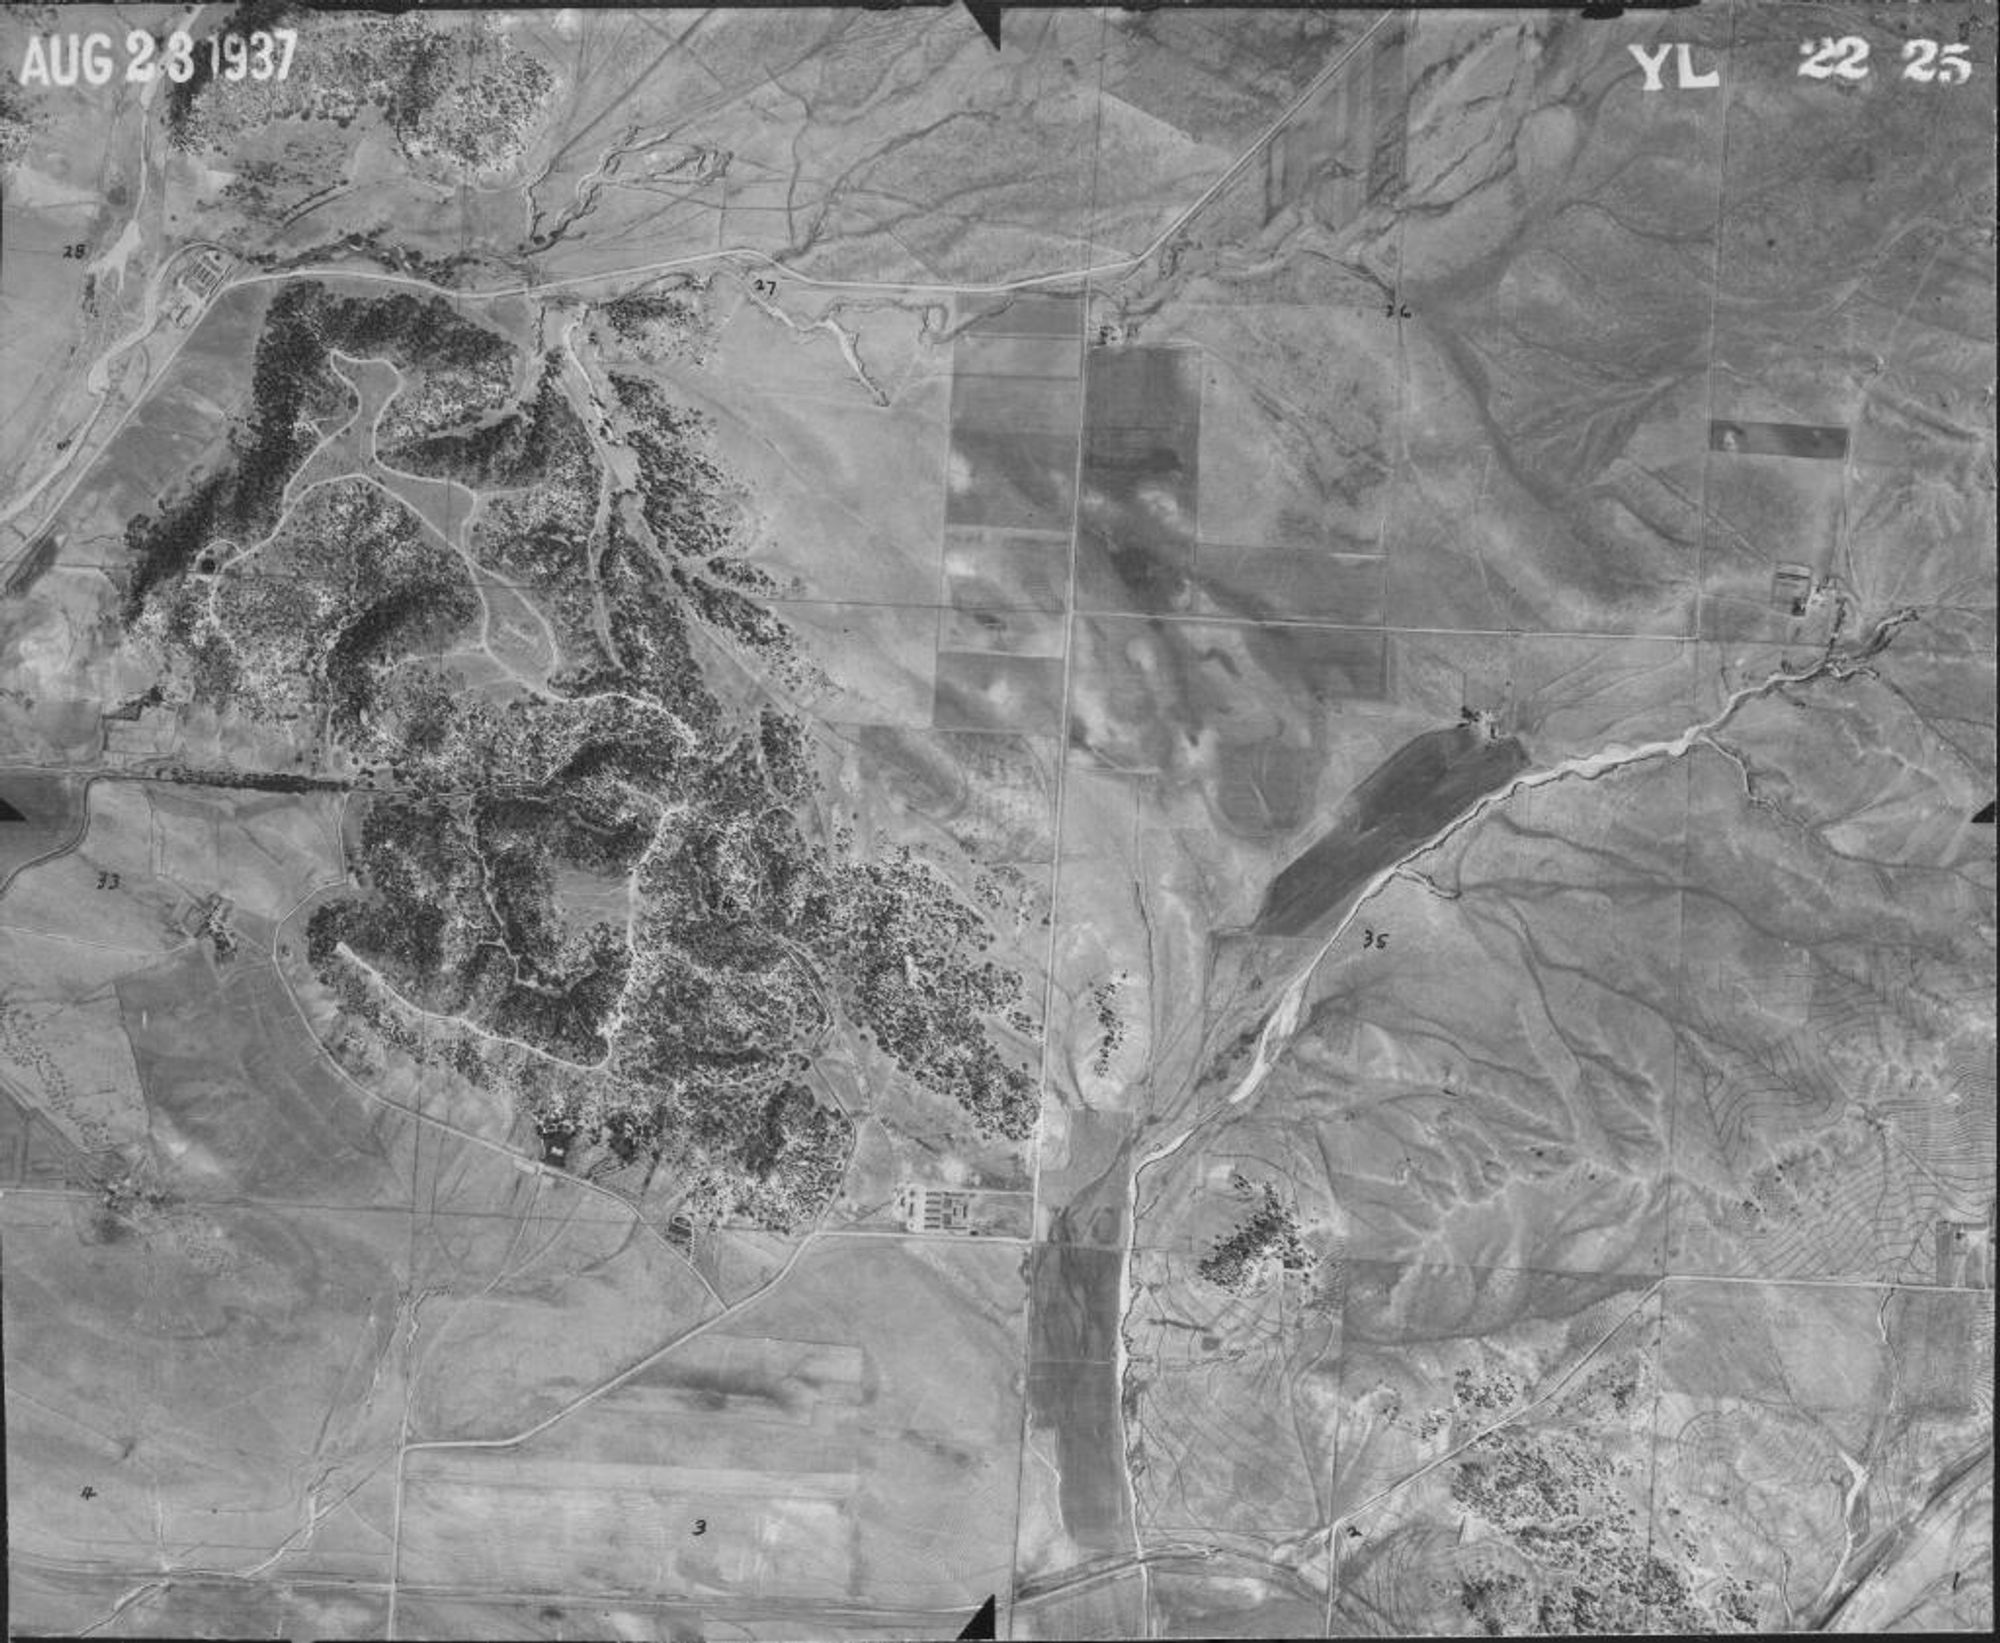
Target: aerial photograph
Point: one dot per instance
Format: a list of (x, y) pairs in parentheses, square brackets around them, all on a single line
[(906, 821)]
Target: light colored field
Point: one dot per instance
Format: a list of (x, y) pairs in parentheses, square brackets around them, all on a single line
[(1765, 511), (173, 432), (1428, 1153), (585, 898), (238, 1098), (881, 659), (1568, 1398), (1234, 1426), (51, 654), (1190, 1603), (1793, 1421), (1107, 1608), (1294, 402), (995, 570), (834, 1442), (1571, 694), (1286, 585), (1004, 691), (1182, 701), (61, 1040), (975, 354), (1792, 1089), (72, 895), (1015, 404), (529, 1526), (517, 636), (211, 1374), (264, 851), (64, 1049), (991, 794), (554, 1290), (1918, 529), (518, 1620), (941, 1325), (997, 632), (847, 495), (189, 1605), (734, 1261)]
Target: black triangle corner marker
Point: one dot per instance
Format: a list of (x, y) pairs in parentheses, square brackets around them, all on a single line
[(1985, 815), (984, 1623), (986, 13)]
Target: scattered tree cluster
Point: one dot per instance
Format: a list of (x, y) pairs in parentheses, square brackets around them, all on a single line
[(519, 448), (454, 369), (1597, 1569), (1482, 1392), (540, 533), (685, 504), (744, 574), (465, 95), (469, 102), (252, 781), (683, 494), (17, 125), (653, 325), (1501, 1603), (743, 934), (1239, 1261), (1110, 1029), (182, 96), (274, 188), (134, 1192), (294, 398), (164, 549), (749, 623), (646, 651), (347, 588), (910, 950), (792, 1159), (676, 1033)]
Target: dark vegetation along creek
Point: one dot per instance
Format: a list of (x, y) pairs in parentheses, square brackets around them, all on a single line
[(1074, 1384), (1408, 798)]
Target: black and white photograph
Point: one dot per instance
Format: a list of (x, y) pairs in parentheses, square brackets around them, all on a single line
[(936, 819)]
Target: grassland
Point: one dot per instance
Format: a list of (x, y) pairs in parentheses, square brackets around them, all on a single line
[(721, 642)]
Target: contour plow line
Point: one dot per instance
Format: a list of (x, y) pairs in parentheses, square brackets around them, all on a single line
[(1285, 1015)]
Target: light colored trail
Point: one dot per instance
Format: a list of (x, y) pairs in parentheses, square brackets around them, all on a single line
[(98, 382), (1313, 88), (1587, 1357), (519, 1159), (1284, 1018), (588, 1396), (737, 255)]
